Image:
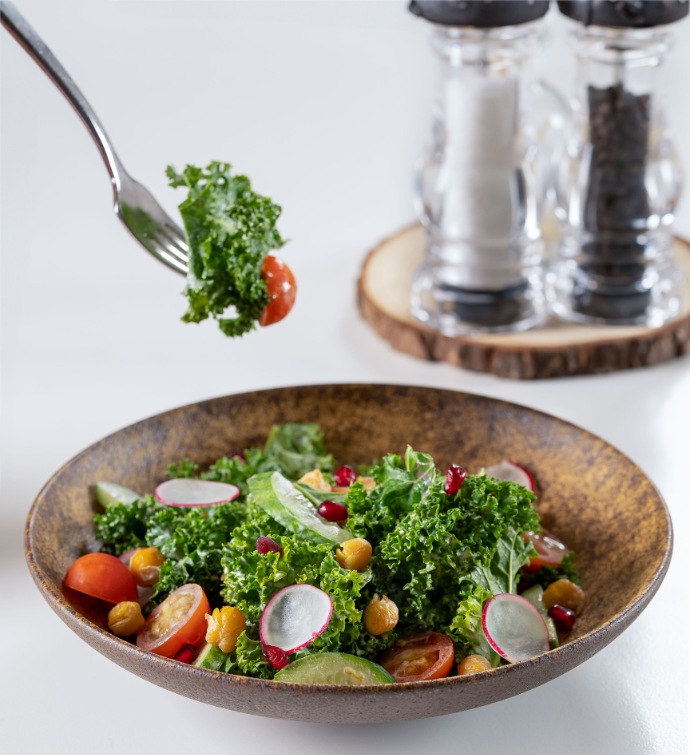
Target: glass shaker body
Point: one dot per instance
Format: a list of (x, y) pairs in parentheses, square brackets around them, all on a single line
[(477, 187), (619, 185)]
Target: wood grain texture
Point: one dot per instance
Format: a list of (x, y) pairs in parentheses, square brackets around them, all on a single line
[(555, 350)]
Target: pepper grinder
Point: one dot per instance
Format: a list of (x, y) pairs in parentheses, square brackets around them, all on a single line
[(621, 180), (478, 192)]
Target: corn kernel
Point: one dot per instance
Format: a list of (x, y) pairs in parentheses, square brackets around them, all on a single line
[(224, 626), (564, 593), (146, 564), (125, 618), (354, 554), (472, 664), (316, 480), (381, 615)]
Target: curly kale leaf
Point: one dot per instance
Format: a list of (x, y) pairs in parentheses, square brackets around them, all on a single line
[(502, 571), (466, 627), (230, 230), (402, 484), (247, 659), (298, 448), (192, 541), (250, 579), (124, 526), (438, 557)]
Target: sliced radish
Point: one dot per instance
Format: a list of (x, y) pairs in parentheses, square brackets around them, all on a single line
[(126, 557), (512, 472), (187, 492), (294, 617), (514, 627)]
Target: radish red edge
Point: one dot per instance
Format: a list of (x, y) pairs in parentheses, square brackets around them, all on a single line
[(530, 642), (310, 604), (510, 471), (188, 492)]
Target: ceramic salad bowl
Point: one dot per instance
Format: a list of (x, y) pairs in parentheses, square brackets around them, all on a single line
[(590, 495)]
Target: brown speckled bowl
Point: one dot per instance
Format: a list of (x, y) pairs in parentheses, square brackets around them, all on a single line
[(591, 495)]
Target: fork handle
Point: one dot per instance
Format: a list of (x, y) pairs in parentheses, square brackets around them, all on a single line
[(28, 38)]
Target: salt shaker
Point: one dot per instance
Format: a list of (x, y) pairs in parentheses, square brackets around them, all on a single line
[(622, 180), (478, 193)]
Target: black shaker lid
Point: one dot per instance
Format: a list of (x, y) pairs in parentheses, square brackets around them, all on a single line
[(625, 13), (481, 14)]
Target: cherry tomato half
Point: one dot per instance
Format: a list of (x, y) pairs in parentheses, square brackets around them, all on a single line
[(281, 287), (179, 620), (550, 550), (102, 576), (424, 656)]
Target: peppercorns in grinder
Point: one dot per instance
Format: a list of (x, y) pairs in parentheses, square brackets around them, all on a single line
[(619, 188)]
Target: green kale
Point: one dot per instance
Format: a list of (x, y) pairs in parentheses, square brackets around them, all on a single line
[(230, 230), (184, 468), (292, 449), (466, 627), (192, 541), (401, 484), (247, 659), (238, 469), (250, 659), (438, 557), (124, 526), (298, 448), (250, 579)]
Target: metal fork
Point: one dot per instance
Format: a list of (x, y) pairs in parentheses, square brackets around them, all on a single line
[(136, 207)]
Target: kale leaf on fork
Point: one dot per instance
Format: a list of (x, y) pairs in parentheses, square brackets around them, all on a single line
[(230, 229)]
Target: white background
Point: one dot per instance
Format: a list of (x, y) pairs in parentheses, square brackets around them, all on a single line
[(326, 106)]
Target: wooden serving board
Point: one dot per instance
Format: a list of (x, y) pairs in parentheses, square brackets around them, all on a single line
[(553, 350)]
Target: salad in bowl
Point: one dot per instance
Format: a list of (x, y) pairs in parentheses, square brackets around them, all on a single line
[(280, 562)]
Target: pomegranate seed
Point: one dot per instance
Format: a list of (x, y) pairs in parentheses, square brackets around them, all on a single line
[(267, 545), (455, 476), (237, 455), (333, 512), (277, 657), (186, 654), (562, 617), (345, 476)]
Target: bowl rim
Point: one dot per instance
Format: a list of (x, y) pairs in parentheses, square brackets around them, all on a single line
[(569, 654)]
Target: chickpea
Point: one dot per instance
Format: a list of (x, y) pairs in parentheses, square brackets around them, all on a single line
[(473, 664), (146, 564), (564, 593), (224, 626), (368, 482), (354, 554), (381, 615), (125, 618)]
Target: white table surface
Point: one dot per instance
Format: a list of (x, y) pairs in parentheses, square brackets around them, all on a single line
[(325, 105)]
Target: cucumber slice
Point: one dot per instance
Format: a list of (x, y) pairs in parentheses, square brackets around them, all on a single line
[(333, 668), (212, 657), (535, 594), (280, 499), (110, 494)]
